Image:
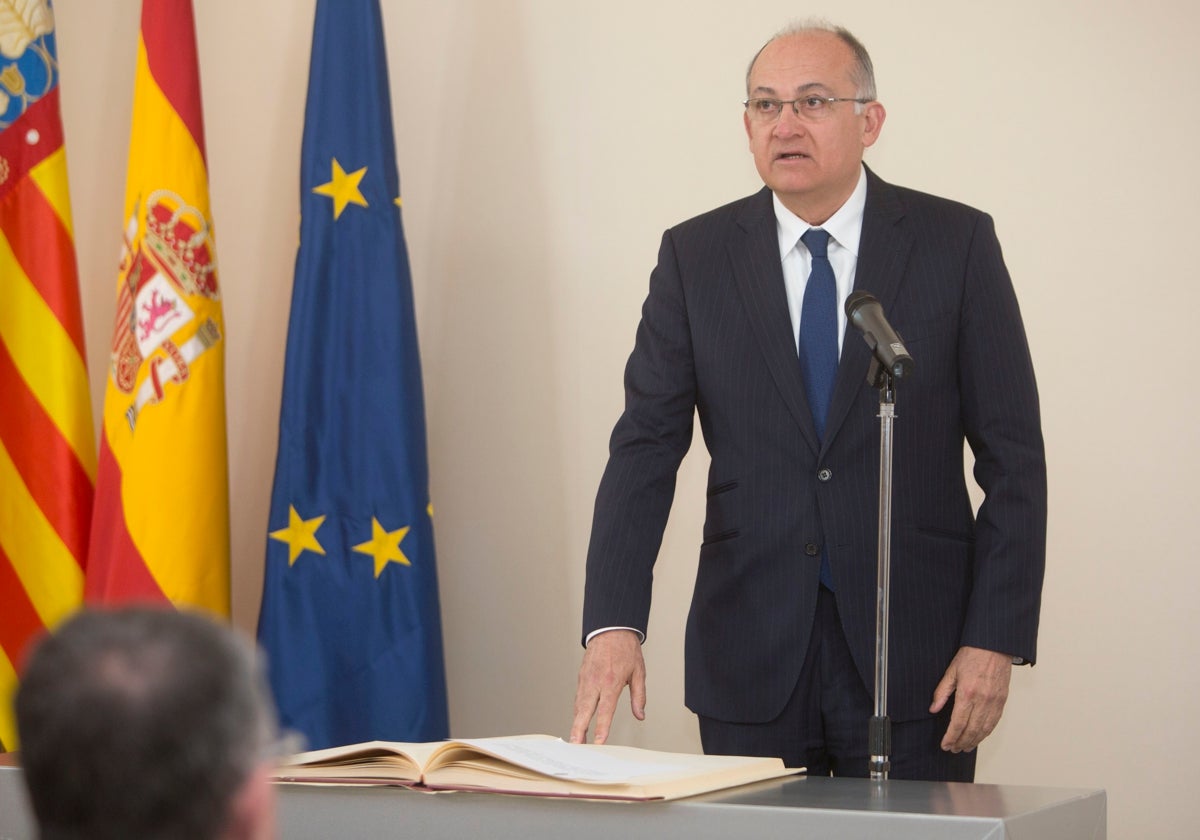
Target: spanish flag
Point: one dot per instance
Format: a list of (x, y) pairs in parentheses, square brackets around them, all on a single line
[(47, 448), (160, 529)]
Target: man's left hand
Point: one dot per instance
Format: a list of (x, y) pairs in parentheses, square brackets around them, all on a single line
[(978, 679)]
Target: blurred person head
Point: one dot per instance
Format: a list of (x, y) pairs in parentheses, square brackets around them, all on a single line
[(146, 723)]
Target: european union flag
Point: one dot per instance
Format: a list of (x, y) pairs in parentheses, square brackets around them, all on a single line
[(350, 618)]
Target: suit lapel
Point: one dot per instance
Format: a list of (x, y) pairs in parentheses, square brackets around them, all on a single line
[(883, 253), (758, 276)]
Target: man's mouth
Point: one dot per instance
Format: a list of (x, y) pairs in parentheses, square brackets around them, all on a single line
[(791, 156)]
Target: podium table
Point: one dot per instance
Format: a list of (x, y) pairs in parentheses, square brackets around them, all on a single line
[(795, 809)]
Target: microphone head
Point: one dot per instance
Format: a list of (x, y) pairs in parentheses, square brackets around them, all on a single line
[(864, 311), (857, 300)]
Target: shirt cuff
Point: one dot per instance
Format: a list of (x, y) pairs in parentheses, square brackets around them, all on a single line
[(595, 633)]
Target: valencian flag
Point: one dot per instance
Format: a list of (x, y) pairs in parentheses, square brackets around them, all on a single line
[(350, 618), (47, 448), (160, 528)]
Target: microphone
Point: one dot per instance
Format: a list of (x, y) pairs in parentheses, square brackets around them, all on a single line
[(864, 311)]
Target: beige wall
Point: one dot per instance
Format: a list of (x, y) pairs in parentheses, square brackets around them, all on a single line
[(545, 144)]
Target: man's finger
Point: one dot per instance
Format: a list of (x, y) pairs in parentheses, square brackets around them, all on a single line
[(605, 709), (959, 719), (637, 694), (942, 693), (585, 707)]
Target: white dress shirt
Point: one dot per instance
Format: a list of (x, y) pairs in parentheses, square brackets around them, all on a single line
[(845, 232)]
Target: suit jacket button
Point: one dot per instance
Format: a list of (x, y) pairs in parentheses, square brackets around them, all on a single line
[(824, 474), (812, 549)]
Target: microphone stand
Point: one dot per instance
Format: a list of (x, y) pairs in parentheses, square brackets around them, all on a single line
[(880, 728)]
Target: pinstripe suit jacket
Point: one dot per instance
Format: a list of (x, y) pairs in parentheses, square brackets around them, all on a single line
[(715, 338)]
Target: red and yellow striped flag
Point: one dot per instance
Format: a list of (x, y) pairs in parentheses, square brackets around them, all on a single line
[(47, 444), (160, 530)]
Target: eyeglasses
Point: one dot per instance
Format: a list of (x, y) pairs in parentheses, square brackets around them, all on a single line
[(813, 108)]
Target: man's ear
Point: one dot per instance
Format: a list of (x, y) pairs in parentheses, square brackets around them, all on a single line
[(252, 812), (874, 115)]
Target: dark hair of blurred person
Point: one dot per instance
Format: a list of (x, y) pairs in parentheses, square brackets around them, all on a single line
[(146, 723)]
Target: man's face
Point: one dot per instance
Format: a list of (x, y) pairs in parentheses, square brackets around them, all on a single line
[(812, 166)]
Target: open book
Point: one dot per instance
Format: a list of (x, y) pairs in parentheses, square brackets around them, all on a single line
[(536, 765)]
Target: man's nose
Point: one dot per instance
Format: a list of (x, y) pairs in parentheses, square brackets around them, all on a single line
[(789, 122)]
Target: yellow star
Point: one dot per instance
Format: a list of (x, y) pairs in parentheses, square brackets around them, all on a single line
[(300, 534), (343, 188), (384, 546)]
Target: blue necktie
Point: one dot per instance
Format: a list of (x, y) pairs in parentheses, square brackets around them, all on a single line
[(819, 345)]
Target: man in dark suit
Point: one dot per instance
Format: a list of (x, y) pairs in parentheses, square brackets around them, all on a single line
[(744, 325)]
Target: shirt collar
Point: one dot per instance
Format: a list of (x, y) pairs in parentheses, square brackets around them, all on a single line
[(845, 226)]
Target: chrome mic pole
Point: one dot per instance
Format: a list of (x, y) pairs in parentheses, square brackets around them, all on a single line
[(880, 731)]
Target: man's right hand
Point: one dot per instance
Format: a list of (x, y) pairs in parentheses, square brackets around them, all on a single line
[(611, 661)]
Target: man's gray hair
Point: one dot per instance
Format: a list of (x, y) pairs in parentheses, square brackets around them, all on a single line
[(863, 72)]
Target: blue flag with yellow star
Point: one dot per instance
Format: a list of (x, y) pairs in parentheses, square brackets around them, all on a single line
[(350, 618)]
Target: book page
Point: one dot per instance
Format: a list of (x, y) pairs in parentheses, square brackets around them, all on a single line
[(577, 762), (389, 759)]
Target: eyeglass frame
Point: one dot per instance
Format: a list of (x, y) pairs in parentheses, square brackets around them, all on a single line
[(829, 100)]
